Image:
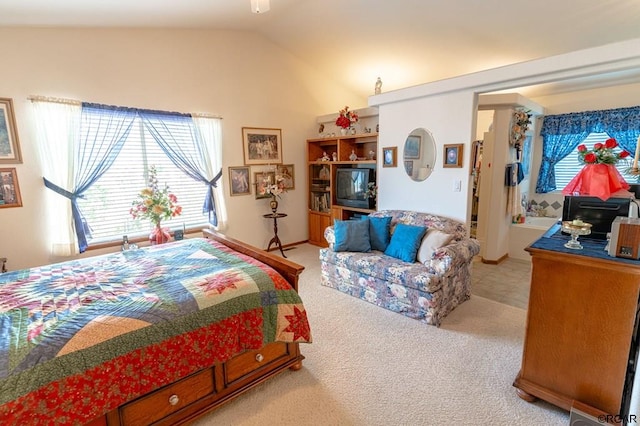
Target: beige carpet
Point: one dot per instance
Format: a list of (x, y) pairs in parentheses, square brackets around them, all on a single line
[(370, 366)]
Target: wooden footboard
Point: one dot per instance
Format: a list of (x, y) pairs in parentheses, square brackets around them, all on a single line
[(191, 397)]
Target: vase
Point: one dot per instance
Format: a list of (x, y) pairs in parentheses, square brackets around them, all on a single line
[(159, 235), (274, 205), (596, 180), (343, 131)]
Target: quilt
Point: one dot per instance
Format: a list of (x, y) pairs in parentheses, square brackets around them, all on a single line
[(80, 338)]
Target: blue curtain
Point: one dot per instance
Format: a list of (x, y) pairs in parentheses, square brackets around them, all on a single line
[(176, 135), (104, 129), (562, 133)]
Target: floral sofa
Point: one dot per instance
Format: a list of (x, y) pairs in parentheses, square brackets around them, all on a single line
[(425, 291)]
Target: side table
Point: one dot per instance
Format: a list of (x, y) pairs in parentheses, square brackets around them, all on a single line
[(275, 240)]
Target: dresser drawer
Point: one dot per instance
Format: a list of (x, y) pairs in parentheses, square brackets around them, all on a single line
[(250, 361), (168, 399)]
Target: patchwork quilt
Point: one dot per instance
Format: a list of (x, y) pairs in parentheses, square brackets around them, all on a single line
[(79, 338)]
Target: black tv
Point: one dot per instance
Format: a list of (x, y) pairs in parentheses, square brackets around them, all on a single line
[(600, 214), (352, 186)]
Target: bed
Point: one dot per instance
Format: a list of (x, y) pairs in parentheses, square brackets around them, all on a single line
[(158, 335)]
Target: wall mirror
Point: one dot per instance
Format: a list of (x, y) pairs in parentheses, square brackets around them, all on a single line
[(419, 154)]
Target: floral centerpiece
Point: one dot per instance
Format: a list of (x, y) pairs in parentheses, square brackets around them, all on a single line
[(346, 118), (155, 205), (275, 189), (599, 177)]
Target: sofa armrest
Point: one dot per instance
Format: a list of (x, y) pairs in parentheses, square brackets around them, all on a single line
[(450, 258), (330, 236)]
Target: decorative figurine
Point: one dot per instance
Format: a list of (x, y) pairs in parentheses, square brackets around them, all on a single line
[(378, 88), (325, 156), (353, 156), (335, 156), (372, 155)]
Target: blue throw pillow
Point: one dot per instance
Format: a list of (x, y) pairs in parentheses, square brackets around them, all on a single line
[(405, 242), (379, 232), (351, 235)]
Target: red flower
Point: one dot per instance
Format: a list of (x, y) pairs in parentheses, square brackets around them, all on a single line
[(590, 158), (582, 148), (598, 146), (624, 154), (611, 143)]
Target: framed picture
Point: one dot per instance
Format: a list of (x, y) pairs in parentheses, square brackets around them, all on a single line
[(408, 167), (262, 146), (412, 146), (286, 171), (239, 181), (452, 155), (389, 156), (9, 145), (260, 179), (9, 189)]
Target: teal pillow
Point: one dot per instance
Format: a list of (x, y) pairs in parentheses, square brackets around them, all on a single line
[(351, 235), (379, 232), (405, 242)]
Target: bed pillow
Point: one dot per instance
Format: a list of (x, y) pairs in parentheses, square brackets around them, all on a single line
[(431, 242), (351, 235), (405, 242), (379, 232)]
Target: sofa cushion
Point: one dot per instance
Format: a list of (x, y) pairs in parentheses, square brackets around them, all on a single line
[(405, 242), (432, 241), (379, 232), (352, 235)]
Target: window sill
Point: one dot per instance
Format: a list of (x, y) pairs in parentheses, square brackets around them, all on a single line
[(192, 232)]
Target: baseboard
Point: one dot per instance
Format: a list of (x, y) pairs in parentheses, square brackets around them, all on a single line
[(494, 262)]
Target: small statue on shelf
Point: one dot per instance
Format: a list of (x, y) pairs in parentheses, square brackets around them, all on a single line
[(325, 156), (378, 88), (335, 156), (353, 156)]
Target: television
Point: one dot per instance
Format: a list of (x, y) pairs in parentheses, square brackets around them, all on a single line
[(600, 214), (352, 185)]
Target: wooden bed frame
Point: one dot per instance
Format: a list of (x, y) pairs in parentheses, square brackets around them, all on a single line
[(191, 397)]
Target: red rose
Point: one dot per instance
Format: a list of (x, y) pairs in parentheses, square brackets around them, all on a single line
[(597, 146), (624, 154), (611, 143), (590, 158), (582, 148)]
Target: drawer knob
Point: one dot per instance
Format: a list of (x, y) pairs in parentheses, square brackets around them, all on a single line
[(259, 357), (173, 399)]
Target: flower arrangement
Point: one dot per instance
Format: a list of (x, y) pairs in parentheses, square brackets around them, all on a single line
[(601, 153), (346, 118), (275, 189), (153, 203), (372, 190), (519, 127)]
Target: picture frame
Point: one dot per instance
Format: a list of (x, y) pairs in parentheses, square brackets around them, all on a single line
[(390, 156), (259, 180), (288, 174), (239, 181), (261, 146), (452, 155), (9, 144), (408, 167), (412, 146), (9, 188)]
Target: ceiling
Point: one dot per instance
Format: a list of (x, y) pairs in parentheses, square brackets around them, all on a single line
[(405, 42)]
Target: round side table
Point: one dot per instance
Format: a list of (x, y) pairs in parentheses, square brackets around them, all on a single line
[(275, 240)]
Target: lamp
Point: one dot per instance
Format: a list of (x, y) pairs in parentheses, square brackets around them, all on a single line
[(259, 6)]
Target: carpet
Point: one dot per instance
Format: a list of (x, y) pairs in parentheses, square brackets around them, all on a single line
[(369, 366)]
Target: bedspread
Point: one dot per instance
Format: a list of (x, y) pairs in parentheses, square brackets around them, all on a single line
[(79, 338)]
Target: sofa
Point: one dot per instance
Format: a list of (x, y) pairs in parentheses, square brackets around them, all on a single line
[(425, 278)]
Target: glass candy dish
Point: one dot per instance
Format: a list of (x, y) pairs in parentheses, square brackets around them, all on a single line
[(575, 228)]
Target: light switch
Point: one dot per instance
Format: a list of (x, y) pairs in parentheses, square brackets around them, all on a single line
[(457, 185)]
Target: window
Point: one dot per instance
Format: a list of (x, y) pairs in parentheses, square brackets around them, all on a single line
[(569, 166)]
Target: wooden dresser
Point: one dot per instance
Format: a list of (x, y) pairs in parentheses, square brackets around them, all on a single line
[(580, 326)]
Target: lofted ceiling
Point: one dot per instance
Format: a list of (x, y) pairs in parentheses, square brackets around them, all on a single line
[(405, 42)]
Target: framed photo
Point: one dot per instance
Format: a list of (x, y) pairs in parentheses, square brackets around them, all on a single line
[(412, 146), (9, 145), (286, 171), (260, 179), (452, 155), (239, 181), (389, 156), (9, 189), (262, 146), (408, 167)]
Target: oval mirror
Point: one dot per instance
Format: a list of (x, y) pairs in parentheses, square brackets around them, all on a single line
[(419, 154)]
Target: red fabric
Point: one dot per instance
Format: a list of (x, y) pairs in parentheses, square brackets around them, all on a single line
[(596, 180)]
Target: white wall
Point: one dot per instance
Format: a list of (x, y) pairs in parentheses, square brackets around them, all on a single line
[(244, 78)]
